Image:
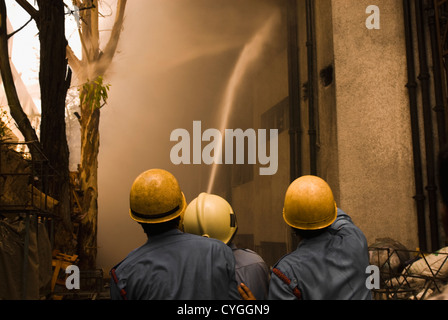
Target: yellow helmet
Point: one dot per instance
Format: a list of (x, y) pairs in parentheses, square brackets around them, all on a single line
[(210, 216), (309, 204), (156, 197)]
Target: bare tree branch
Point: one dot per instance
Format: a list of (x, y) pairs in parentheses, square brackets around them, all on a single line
[(89, 33), (111, 47), (33, 12), (13, 33), (15, 107), (73, 60)]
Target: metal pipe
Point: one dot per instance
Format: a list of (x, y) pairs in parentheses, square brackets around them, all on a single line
[(413, 107), (295, 130), (438, 76), (312, 132), (440, 12), (424, 78)]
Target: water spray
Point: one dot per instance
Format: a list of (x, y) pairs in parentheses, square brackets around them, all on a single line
[(251, 51)]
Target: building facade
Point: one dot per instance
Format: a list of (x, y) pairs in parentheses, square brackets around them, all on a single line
[(357, 92)]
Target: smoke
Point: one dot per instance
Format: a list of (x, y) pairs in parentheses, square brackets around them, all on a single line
[(174, 62), (251, 51)]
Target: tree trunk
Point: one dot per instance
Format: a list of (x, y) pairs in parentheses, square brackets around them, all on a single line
[(90, 141), (93, 64), (54, 79)]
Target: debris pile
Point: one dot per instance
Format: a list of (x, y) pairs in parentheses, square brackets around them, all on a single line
[(407, 274)]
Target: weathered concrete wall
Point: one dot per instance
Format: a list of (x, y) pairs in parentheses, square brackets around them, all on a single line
[(373, 127)]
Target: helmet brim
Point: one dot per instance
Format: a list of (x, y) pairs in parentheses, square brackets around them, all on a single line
[(163, 217), (314, 225)]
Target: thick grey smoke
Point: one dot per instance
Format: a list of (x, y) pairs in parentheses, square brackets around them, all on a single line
[(174, 62)]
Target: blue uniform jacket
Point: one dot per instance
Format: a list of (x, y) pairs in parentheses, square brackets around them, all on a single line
[(251, 270), (176, 266), (331, 266)]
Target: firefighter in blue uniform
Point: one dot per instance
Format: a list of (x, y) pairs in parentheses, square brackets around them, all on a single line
[(171, 265), (331, 259), (212, 216)]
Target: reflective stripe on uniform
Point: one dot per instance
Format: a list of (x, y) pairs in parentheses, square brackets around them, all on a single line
[(122, 291), (287, 281)]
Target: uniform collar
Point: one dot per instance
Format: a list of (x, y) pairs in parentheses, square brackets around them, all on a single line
[(171, 232), (232, 246)]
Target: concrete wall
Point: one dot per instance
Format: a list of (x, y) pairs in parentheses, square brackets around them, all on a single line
[(375, 165)]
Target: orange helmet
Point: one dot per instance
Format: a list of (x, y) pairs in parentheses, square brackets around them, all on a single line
[(309, 204), (156, 197)]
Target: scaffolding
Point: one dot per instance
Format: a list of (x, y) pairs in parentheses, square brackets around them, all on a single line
[(25, 183)]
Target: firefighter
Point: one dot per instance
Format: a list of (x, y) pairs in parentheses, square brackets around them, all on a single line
[(332, 256), (172, 264), (212, 216)]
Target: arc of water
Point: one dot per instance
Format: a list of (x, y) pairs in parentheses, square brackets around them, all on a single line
[(251, 51)]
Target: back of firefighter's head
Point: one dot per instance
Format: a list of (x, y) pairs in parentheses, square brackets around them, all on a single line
[(309, 205), (210, 216), (156, 200)]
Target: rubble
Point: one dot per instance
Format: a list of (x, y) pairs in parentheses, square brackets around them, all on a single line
[(407, 274), (389, 255)]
